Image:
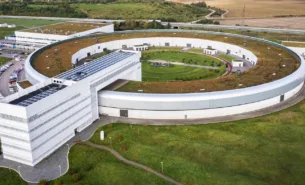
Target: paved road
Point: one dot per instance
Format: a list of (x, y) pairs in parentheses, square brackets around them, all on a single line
[(5, 78), (121, 158)]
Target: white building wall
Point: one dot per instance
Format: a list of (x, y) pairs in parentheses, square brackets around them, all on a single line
[(196, 114), (40, 128), (300, 51)]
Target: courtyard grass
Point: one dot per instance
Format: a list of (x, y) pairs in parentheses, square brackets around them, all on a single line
[(177, 72), (92, 166), (226, 57), (4, 60), (259, 151), (10, 177), (184, 57)]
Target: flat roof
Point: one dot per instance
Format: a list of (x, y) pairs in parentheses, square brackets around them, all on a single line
[(66, 28), (94, 66), (37, 95)]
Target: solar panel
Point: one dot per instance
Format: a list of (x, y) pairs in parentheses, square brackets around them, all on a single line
[(94, 66), (37, 95)]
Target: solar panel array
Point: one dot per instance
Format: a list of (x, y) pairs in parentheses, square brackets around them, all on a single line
[(94, 66), (37, 95)]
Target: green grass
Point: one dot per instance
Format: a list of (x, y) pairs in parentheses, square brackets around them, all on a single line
[(21, 24), (10, 177), (195, 50), (154, 48), (268, 150), (96, 166), (148, 10), (4, 60), (26, 23), (226, 57), (176, 72), (176, 56)]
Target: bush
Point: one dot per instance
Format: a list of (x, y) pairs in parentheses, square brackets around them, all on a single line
[(75, 177), (57, 182), (43, 182)]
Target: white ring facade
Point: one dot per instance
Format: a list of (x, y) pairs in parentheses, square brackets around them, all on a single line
[(190, 105)]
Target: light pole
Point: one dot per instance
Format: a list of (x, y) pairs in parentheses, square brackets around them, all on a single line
[(68, 146), (162, 167), (19, 169), (59, 170), (110, 142)]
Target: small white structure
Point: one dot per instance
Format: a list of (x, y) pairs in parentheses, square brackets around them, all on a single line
[(140, 47), (11, 26), (102, 135), (5, 25), (210, 51), (237, 63)]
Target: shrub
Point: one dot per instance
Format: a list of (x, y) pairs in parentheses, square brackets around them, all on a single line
[(57, 182), (120, 138), (43, 182), (75, 177)]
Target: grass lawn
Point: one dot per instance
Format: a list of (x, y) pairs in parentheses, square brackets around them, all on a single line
[(195, 50), (226, 57), (4, 60), (154, 48), (27, 23), (10, 177), (177, 72), (259, 151), (94, 166), (176, 56), (148, 10)]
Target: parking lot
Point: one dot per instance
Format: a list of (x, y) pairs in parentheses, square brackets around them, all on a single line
[(12, 71)]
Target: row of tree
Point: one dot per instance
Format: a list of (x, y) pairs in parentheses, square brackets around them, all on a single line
[(137, 25)]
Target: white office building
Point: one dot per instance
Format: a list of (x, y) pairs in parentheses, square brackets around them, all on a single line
[(38, 120)]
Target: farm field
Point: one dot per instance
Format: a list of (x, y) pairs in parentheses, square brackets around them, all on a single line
[(21, 24), (259, 151), (177, 72), (255, 9), (294, 44), (260, 9), (284, 23), (27, 23), (158, 10)]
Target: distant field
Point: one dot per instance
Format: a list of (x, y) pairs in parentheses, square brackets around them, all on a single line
[(27, 22), (254, 8), (178, 12), (294, 44)]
